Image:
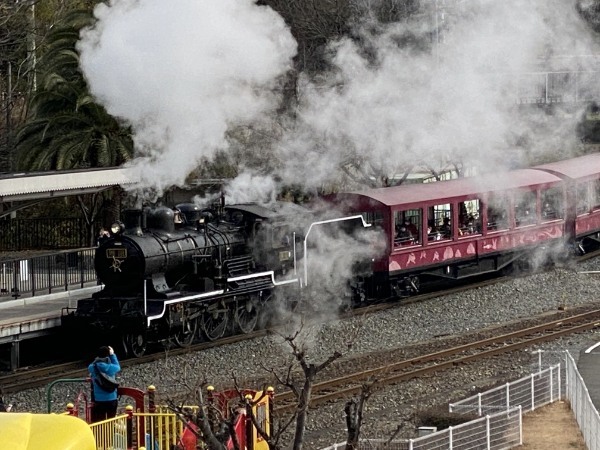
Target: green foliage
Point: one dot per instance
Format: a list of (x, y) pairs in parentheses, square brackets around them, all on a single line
[(64, 207), (38, 234), (66, 129)]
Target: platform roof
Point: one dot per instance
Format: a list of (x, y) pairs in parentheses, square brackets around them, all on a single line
[(441, 191), (31, 186)]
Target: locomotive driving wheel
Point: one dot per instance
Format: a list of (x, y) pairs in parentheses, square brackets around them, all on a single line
[(214, 323), (246, 313), (135, 343), (185, 335)]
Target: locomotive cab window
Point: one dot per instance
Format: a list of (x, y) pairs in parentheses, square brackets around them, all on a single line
[(497, 213), (552, 204), (407, 227), (281, 236)]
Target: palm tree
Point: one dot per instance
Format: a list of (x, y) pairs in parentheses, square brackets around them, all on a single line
[(66, 129)]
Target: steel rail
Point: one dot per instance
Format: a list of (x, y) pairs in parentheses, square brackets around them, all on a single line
[(351, 384)]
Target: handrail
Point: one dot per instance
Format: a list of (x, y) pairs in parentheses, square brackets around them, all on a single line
[(62, 380)]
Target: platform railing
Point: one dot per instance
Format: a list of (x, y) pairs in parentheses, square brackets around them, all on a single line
[(61, 271)]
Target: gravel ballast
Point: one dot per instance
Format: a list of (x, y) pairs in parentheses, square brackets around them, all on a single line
[(396, 406)]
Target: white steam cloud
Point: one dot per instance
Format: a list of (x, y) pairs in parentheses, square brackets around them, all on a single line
[(440, 86), (181, 73), (387, 106)]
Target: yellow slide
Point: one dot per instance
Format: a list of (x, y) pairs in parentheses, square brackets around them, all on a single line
[(26, 431)]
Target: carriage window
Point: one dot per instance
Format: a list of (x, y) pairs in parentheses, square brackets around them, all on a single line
[(408, 226), (583, 199), (469, 218), (497, 213), (596, 195), (525, 209), (439, 222), (552, 204)]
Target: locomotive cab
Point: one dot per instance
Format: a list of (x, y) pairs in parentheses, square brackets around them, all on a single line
[(272, 236)]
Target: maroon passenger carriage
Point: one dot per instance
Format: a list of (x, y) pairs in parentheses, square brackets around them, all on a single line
[(472, 226), (582, 180)]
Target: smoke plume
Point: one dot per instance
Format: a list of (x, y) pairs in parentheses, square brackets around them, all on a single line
[(182, 73)]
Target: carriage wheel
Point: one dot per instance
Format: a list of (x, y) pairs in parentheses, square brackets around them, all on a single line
[(185, 335), (135, 343), (214, 323), (246, 314)]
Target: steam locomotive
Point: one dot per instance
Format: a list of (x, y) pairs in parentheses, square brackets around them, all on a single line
[(183, 273), (173, 274)]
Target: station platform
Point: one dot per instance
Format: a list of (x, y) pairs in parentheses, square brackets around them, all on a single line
[(589, 368), (33, 317)]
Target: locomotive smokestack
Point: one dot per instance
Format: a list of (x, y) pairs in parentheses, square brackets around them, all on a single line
[(134, 222)]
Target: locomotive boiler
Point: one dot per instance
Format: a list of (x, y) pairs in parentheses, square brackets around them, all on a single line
[(184, 273)]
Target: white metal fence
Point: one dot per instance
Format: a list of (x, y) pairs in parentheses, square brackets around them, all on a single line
[(500, 409), (499, 431), (533, 391), (581, 404)]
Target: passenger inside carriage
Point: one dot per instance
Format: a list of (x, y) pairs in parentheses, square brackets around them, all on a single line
[(432, 232), (446, 228), (411, 227), (403, 236), (468, 226), (548, 213), (406, 227)]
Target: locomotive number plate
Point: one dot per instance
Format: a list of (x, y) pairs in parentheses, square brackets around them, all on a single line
[(116, 253)]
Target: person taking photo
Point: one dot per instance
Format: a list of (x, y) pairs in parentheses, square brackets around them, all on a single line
[(103, 368)]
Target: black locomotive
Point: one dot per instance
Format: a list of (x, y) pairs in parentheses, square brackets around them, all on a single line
[(177, 274)]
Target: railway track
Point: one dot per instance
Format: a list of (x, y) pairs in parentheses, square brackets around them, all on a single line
[(30, 378), (35, 377), (406, 369)]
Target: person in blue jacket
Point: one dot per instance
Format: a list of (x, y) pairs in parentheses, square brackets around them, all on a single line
[(104, 401)]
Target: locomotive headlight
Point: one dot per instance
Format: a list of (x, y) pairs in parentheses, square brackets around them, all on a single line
[(117, 228)]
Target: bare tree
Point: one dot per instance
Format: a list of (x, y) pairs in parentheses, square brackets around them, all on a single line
[(302, 389), (354, 415)]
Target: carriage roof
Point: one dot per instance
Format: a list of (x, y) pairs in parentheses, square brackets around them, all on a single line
[(583, 167), (445, 191)]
